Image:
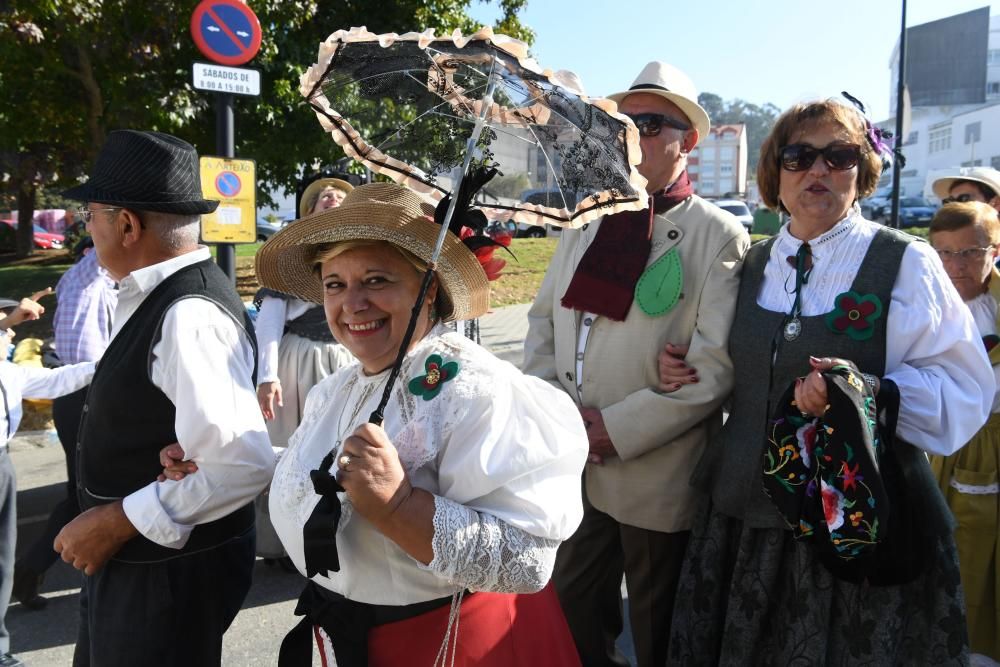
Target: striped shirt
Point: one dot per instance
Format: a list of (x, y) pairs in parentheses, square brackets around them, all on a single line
[(87, 299)]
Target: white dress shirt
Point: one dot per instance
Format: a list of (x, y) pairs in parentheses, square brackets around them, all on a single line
[(20, 382), (203, 363), (270, 327), (934, 353), (502, 453), (984, 313)]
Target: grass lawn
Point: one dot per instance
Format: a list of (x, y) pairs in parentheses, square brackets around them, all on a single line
[(23, 277)]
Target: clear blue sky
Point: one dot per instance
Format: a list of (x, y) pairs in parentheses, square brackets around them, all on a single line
[(778, 51)]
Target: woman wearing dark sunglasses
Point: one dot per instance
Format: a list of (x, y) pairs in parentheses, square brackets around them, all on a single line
[(831, 288)]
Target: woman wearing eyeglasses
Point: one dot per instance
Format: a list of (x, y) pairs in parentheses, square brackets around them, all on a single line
[(965, 236), (830, 288)]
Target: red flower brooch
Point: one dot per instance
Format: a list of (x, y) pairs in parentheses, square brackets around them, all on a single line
[(436, 373), (854, 314)]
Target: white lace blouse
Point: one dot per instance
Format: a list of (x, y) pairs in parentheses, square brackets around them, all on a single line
[(501, 452), (984, 312), (933, 351)]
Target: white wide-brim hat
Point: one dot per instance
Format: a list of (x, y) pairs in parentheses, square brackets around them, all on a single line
[(985, 175), (659, 78)]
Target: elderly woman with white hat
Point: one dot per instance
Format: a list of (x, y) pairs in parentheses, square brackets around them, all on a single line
[(295, 351), (444, 538)]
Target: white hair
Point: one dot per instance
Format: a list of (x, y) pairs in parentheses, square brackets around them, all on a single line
[(175, 232)]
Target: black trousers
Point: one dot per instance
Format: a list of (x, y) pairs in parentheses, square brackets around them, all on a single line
[(588, 576), (66, 413), (164, 614)]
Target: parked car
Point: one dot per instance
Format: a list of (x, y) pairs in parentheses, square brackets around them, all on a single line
[(913, 212), (553, 198), (879, 203), (43, 239), (266, 229), (737, 208)]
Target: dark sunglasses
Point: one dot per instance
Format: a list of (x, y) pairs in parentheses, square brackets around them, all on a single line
[(650, 124), (963, 198), (799, 157)]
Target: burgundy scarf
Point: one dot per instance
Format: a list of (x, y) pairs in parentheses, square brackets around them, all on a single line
[(605, 278)]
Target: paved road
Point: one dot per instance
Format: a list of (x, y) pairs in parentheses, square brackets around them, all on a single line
[(46, 638)]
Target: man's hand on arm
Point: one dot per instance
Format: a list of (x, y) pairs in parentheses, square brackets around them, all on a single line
[(601, 446), (89, 540)]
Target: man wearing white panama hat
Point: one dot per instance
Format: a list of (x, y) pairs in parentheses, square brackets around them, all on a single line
[(967, 184), (615, 293)]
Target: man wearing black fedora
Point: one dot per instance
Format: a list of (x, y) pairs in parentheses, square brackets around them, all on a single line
[(168, 562)]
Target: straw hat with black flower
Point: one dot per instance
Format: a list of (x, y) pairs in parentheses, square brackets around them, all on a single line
[(375, 212)]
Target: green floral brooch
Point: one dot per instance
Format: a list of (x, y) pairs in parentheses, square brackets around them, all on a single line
[(855, 315), (436, 373)]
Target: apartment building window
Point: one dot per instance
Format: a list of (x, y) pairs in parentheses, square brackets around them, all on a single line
[(726, 169), (692, 168), (993, 57), (972, 163), (993, 89), (912, 138), (939, 139), (707, 186), (972, 132), (725, 152), (995, 161)]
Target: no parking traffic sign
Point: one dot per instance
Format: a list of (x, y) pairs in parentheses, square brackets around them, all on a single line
[(226, 31), (234, 184)]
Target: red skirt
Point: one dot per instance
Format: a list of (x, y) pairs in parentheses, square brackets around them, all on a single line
[(494, 630)]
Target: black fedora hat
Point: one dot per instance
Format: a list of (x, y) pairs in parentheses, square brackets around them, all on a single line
[(146, 171)]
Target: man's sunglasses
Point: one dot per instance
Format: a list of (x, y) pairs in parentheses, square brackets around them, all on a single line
[(650, 124), (963, 198), (799, 157)]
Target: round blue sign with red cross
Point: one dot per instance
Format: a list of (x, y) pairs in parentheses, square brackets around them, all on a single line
[(228, 184), (226, 31)]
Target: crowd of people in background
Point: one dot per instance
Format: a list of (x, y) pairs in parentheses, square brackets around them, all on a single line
[(790, 452)]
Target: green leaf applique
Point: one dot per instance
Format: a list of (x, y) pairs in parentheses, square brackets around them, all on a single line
[(659, 287)]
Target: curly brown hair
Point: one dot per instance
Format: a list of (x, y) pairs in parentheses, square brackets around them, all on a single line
[(790, 122)]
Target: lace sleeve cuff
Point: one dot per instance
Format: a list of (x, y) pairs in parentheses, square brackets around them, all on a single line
[(480, 552)]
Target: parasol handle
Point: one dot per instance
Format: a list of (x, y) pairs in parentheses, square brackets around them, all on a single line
[(470, 150), (377, 416)]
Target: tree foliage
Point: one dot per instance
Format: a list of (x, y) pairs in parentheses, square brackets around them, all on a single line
[(73, 70), (758, 119)]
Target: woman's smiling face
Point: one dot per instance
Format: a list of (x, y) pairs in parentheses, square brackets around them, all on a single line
[(368, 296)]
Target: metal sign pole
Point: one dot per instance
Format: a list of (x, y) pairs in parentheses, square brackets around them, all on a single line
[(900, 88), (225, 145)]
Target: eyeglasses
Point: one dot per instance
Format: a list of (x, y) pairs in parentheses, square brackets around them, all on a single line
[(650, 124), (964, 256), (963, 198), (839, 157), (87, 215)]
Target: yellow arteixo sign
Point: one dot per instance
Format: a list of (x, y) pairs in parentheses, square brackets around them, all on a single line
[(234, 184)]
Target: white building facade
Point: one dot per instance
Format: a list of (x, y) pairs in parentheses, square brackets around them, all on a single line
[(944, 137), (717, 166)]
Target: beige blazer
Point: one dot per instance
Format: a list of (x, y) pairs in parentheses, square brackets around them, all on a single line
[(659, 437)]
